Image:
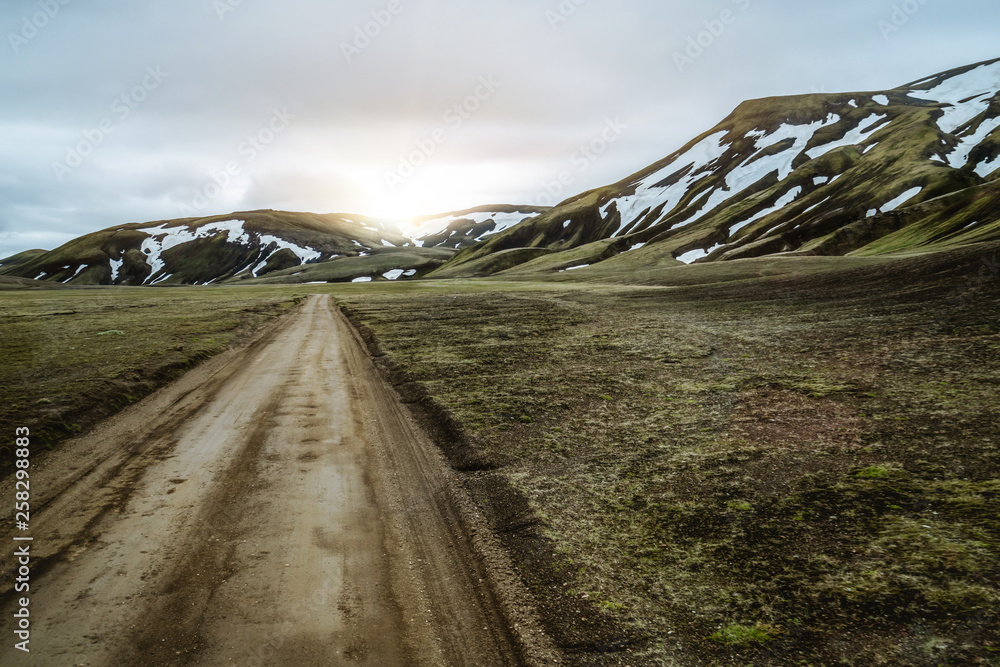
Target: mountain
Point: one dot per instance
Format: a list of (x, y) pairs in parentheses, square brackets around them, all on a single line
[(261, 246), (20, 258), (874, 172), (914, 168), (462, 229)]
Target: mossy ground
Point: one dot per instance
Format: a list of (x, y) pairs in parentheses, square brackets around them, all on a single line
[(745, 463), (795, 470), (74, 356)]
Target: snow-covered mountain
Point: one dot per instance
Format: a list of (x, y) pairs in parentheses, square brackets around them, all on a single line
[(786, 174), (462, 229), (868, 173), (257, 244)]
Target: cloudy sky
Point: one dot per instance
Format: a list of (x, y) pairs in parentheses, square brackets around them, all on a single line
[(116, 111)]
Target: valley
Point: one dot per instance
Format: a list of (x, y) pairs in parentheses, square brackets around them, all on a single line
[(274, 505), (772, 461), (737, 408)]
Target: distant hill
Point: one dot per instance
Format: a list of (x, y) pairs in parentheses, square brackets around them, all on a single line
[(873, 172), (20, 258), (461, 229), (915, 168), (256, 245)]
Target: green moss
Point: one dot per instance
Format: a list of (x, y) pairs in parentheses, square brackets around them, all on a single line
[(745, 635), (590, 253), (490, 264), (722, 481)]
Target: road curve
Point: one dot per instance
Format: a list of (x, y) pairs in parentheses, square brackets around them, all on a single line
[(276, 505)]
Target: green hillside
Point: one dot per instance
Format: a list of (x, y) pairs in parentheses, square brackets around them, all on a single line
[(913, 167)]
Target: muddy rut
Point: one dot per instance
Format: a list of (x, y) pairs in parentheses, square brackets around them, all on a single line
[(277, 505)]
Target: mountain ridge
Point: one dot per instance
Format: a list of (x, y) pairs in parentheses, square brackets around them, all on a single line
[(252, 245), (780, 166), (821, 173)]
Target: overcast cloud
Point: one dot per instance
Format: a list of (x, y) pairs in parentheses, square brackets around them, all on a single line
[(263, 98)]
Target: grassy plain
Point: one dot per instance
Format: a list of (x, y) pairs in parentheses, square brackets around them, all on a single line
[(752, 467), (790, 461)]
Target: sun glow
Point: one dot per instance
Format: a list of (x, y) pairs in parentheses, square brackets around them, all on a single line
[(436, 189), (408, 227)]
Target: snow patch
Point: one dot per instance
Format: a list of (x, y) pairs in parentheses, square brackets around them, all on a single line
[(395, 274), (362, 280), (78, 270), (924, 80), (749, 173), (648, 196), (116, 266), (960, 156), (782, 202), (858, 135), (987, 167), (163, 238), (816, 206), (902, 199), (881, 99), (690, 257), (975, 87), (304, 254), (502, 222), (636, 247), (235, 228), (821, 180), (702, 155)]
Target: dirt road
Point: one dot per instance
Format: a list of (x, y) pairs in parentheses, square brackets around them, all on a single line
[(276, 505)]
